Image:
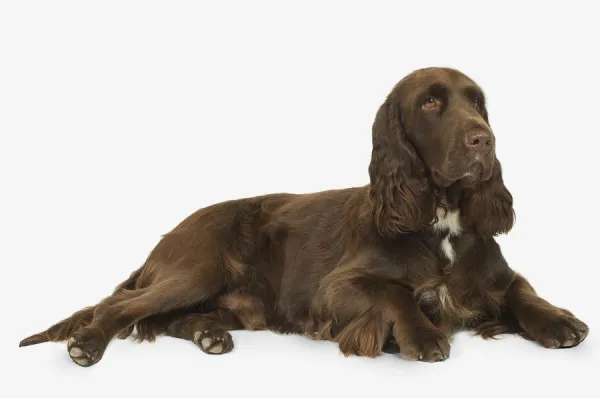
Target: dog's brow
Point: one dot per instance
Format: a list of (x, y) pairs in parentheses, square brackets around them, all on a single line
[(437, 88), (473, 91)]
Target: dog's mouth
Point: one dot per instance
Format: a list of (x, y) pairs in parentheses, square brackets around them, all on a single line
[(440, 179), (476, 172)]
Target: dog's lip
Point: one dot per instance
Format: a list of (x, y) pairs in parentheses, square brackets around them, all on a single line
[(441, 179), (473, 174), (478, 169)]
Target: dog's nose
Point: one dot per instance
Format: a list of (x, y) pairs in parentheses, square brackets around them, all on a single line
[(479, 141)]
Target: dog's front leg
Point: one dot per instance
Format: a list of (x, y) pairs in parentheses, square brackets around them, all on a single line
[(416, 336), (369, 309), (550, 326)]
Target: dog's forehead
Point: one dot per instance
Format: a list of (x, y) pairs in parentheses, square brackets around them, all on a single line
[(445, 76)]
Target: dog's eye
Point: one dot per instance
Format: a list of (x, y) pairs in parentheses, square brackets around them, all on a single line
[(431, 103), (478, 102)]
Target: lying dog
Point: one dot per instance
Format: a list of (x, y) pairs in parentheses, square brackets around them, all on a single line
[(396, 265)]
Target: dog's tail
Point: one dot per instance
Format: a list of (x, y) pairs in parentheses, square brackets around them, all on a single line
[(63, 329)]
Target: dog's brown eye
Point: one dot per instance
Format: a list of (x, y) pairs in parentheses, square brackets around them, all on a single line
[(430, 103), (478, 102)]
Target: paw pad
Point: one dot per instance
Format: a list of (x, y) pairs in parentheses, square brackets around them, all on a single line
[(213, 342), (79, 355), (84, 353)]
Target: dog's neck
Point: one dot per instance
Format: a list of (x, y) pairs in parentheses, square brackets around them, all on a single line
[(451, 196)]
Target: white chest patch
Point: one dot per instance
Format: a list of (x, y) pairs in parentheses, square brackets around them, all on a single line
[(448, 221), (449, 224), (448, 250)]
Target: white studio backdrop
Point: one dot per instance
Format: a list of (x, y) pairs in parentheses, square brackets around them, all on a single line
[(120, 118)]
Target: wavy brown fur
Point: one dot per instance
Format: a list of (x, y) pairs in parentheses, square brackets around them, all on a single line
[(403, 198)]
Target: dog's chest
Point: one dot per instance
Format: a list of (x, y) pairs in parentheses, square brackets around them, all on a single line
[(437, 294), (448, 230)]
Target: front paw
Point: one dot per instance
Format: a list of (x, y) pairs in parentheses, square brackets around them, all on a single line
[(559, 329), (423, 344)]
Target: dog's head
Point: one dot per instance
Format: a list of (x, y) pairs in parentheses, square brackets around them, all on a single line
[(433, 134)]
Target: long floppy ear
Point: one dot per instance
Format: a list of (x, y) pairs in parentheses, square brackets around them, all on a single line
[(401, 195), (488, 207)]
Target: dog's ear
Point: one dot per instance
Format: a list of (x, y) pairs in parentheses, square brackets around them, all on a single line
[(401, 195), (488, 207)]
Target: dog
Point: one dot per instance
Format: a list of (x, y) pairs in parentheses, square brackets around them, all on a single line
[(396, 265)]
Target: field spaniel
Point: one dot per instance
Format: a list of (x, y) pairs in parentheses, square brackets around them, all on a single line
[(393, 266)]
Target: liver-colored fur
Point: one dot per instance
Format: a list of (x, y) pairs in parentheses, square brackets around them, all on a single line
[(395, 265)]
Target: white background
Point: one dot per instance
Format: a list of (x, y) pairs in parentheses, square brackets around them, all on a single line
[(120, 118)]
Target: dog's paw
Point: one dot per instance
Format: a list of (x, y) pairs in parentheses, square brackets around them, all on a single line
[(214, 342), (86, 350), (559, 329), (427, 345)]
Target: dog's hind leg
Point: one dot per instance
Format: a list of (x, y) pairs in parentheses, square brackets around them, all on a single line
[(126, 307), (201, 258)]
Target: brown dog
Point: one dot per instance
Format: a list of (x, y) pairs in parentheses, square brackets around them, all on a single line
[(394, 265)]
